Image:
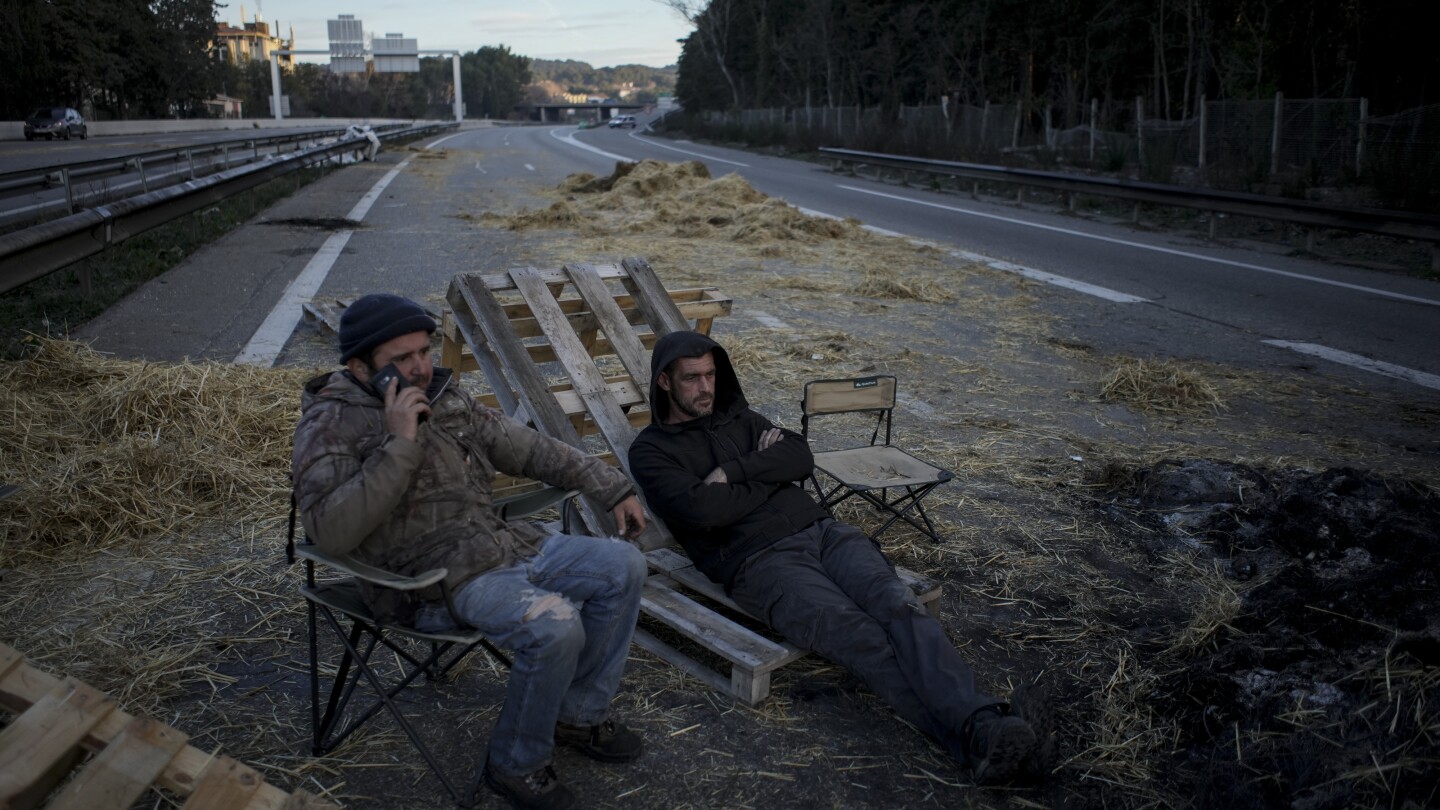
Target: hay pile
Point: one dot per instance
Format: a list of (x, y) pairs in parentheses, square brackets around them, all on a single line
[(145, 541), (682, 201), (1160, 386), (112, 451)]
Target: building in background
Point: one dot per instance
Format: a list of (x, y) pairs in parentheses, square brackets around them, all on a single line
[(252, 40)]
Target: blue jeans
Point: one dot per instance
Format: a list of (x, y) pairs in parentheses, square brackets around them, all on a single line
[(567, 615), (828, 589)]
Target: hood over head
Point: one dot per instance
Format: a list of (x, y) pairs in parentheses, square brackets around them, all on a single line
[(683, 343)]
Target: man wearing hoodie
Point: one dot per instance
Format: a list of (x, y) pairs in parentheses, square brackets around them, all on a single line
[(729, 484), (401, 478)]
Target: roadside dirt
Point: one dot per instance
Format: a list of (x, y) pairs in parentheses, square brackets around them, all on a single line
[(1232, 597)]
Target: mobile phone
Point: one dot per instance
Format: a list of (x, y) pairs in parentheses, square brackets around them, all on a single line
[(381, 380)]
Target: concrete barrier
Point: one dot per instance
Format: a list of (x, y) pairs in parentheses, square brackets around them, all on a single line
[(15, 130)]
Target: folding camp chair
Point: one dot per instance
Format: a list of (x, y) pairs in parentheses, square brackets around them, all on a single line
[(339, 602), (874, 470)]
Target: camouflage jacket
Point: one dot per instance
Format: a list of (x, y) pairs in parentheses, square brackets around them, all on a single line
[(412, 506)]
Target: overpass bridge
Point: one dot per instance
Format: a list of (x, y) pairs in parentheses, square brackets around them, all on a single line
[(560, 113)]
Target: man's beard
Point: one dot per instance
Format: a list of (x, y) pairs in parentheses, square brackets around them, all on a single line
[(690, 409)]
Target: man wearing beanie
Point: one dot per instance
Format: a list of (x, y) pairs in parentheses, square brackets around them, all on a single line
[(400, 477)]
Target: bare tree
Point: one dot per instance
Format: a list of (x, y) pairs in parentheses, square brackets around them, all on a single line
[(711, 19)]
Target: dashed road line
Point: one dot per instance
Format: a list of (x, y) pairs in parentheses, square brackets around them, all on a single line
[(1357, 361), (1153, 248), (267, 342), (768, 320), (1050, 278), (567, 136), (700, 155)]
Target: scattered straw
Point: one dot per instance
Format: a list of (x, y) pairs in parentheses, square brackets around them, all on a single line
[(1159, 386), (113, 450)]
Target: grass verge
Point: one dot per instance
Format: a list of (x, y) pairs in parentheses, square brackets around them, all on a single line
[(53, 305)]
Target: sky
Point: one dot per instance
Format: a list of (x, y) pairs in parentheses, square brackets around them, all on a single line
[(602, 32)]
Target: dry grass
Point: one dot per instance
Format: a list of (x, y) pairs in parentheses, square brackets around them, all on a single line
[(113, 450), (1160, 386), (142, 556)]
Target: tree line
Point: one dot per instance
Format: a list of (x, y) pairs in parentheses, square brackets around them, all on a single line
[(136, 59), (887, 53)]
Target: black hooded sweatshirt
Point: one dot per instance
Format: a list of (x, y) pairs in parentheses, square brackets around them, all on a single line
[(720, 525)]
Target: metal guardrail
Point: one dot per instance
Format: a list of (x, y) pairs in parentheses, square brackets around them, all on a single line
[(1400, 224), (155, 168), (42, 249)]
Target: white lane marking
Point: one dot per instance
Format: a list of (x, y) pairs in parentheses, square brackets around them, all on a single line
[(768, 320), (692, 154), (439, 141), (1050, 278), (570, 139), (529, 167), (481, 168), (1028, 272), (875, 229), (1362, 363), (270, 337), (1154, 248)]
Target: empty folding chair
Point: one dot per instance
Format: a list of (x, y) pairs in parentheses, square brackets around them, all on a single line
[(887, 477)]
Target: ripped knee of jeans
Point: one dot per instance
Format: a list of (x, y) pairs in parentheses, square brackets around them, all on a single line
[(549, 605)]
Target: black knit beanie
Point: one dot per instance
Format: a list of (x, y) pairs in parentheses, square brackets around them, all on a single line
[(376, 318)]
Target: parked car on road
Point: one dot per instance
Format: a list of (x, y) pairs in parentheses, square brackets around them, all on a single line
[(622, 121), (55, 122)]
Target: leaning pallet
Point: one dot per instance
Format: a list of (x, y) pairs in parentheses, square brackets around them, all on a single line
[(516, 326), (58, 720)]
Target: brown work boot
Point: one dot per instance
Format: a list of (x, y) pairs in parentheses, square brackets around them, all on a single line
[(541, 790), (608, 742), (997, 744)]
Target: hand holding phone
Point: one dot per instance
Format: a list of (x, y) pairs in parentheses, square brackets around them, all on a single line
[(381, 380), (380, 384)]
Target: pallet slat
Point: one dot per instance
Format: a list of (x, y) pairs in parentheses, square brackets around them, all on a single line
[(226, 785), (124, 770), (39, 748), (22, 685)]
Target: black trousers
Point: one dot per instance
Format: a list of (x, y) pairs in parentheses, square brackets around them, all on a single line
[(830, 590)]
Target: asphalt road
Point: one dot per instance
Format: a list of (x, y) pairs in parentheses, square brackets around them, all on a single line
[(1377, 316), (1131, 289)]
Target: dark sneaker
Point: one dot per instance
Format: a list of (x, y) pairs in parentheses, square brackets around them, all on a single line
[(997, 745), (608, 742), (541, 790), (1033, 704)]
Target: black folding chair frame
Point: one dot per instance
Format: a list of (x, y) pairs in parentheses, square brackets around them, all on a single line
[(361, 641), (899, 507), (365, 636)]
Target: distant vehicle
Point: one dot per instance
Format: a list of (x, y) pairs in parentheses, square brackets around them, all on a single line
[(55, 122), (622, 121)]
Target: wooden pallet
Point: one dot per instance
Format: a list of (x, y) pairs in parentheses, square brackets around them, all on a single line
[(510, 325), (59, 720)]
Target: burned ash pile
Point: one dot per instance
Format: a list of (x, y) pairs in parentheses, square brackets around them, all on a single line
[(1323, 688)]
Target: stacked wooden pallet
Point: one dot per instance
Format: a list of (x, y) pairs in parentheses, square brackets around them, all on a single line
[(514, 326), (59, 720)]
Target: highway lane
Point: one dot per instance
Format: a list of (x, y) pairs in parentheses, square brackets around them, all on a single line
[(1189, 298), (1388, 318), (25, 155)]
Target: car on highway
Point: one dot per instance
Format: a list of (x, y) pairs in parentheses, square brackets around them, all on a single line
[(622, 121), (55, 122)]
